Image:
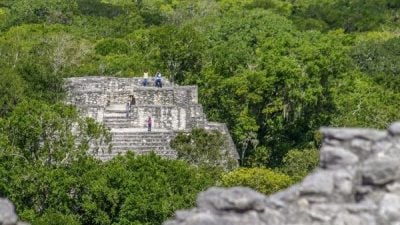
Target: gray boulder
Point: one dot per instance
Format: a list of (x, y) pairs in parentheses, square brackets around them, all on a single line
[(7, 213)]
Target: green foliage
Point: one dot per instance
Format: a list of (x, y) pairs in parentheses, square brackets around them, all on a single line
[(12, 89), (42, 84), (50, 134), (356, 15), (203, 148), (98, 8), (263, 180), (276, 90), (363, 103), (298, 163), (380, 60), (111, 46), (56, 219), (274, 71), (258, 158), (126, 190), (37, 11)]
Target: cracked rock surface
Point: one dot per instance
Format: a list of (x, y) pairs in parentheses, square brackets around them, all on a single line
[(357, 183), (7, 213)]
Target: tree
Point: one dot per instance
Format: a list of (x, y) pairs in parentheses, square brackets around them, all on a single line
[(379, 60), (203, 148), (263, 180), (352, 16), (51, 134), (278, 89), (298, 163), (126, 190), (361, 102), (38, 11), (12, 90), (258, 158), (112, 46)]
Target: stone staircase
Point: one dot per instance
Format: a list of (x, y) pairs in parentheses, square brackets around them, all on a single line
[(128, 134), (140, 141), (172, 108)]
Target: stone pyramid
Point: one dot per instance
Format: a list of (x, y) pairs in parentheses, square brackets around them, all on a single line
[(172, 108)]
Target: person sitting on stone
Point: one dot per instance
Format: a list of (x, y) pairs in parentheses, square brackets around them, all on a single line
[(145, 78), (158, 80)]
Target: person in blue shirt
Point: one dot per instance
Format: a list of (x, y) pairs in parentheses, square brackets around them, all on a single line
[(158, 79)]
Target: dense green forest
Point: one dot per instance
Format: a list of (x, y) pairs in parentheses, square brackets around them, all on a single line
[(273, 70)]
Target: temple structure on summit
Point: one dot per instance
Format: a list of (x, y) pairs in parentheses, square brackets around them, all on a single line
[(172, 109)]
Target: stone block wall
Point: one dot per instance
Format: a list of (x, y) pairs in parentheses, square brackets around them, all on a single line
[(153, 96), (185, 95), (164, 117), (357, 183), (172, 107)]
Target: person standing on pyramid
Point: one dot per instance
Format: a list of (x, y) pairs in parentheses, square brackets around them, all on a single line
[(128, 109), (149, 124)]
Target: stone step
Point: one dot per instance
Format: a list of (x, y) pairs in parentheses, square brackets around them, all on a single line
[(138, 131), (118, 125), (120, 122), (157, 140), (139, 151), (109, 156), (139, 147), (121, 108), (139, 138), (120, 117), (141, 144), (143, 134)]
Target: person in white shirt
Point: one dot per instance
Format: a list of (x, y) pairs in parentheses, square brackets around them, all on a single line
[(145, 78)]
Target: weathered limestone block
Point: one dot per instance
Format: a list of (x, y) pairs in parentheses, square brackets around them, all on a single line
[(394, 129), (389, 209), (344, 134), (335, 157), (7, 213), (378, 171), (235, 199), (318, 183), (186, 95), (153, 96)]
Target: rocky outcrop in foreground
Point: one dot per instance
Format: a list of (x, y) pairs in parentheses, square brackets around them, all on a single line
[(358, 183), (7, 213)]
